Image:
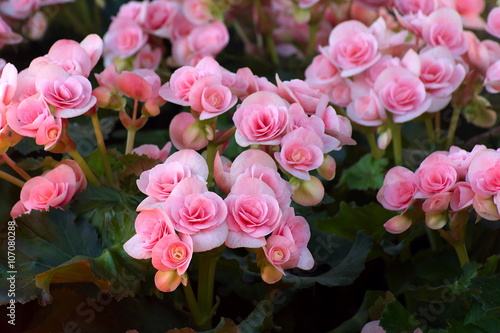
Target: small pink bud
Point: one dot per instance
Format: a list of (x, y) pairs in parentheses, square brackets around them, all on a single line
[(150, 108), (436, 221), (398, 224), (328, 168), (384, 139), (437, 203), (134, 86), (169, 281), (103, 96), (486, 208), (269, 273), (195, 136), (307, 192)]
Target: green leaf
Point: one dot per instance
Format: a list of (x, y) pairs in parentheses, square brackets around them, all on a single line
[(259, 319), (351, 219), (489, 286), (44, 241), (396, 319), (367, 173), (338, 261)]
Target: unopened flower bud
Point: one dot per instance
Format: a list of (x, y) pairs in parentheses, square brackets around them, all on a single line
[(486, 208), (169, 281), (328, 168), (398, 224), (479, 112), (150, 108), (436, 221), (384, 138), (195, 136), (307, 192)]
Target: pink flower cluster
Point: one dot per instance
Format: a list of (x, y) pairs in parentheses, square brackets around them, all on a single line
[(55, 188), (290, 118), (444, 183), (181, 216), (397, 68), (137, 31)]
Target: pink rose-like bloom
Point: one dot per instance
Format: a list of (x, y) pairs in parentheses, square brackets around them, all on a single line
[(444, 27), (49, 132), (298, 91), (398, 189), (209, 97), (262, 119), (281, 252), (8, 83), (124, 38), (435, 175), (352, 48), (493, 22), (199, 213), (81, 180), (437, 203), (7, 36), (148, 58), (172, 252), (366, 108), (321, 74), (492, 79), (484, 173), (150, 226), (70, 95), (406, 7), (209, 39), (340, 93), (253, 213), (402, 93), (197, 11), (26, 117), (441, 75), (20, 9), (158, 17), (461, 159), (53, 189), (471, 10), (301, 152), (461, 197)]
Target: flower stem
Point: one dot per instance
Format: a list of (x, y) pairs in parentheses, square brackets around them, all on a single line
[(206, 276), (102, 148), (375, 150), (453, 126), (430, 130), (461, 251), (211, 152), (14, 167), (313, 31), (131, 130), (11, 179), (396, 143), (194, 308), (84, 166)]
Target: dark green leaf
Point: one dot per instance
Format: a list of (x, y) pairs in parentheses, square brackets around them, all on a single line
[(338, 261), (367, 173), (396, 319), (43, 241), (259, 319), (489, 286)]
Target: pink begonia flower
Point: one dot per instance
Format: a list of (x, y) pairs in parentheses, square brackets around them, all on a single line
[(281, 252), (413, 22), (36, 26), (444, 27), (262, 119), (484, 173), (321, 74), (398, 190), (81, 180), (435, 175), (8, 84), (26, 117), (371, 74), (366, 108), (148, 58), (398, 224), (153, 151), (209, 39), (209, 97), (298, 91), (296, 229), (402, 93), (352, 48), (132, 10), (158, 17), (387, 38), (440, 74), (123, 39), (461, 197), (181, 28), (54, 188), (255, 83), (405, 7), (197, 212), (336, 126), (481, 54), (470, 11), (461, 159), (7, 36), (173, 252), (19, 9), (141, 84), (492, 79), (169, 281), (150, 227), (301, 152), (71, 96), (340, 94), (159, 181), (197, 11), (493, 22), (178, 88), (49, 132), (487, 208), (438, 203), (253, 213)]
